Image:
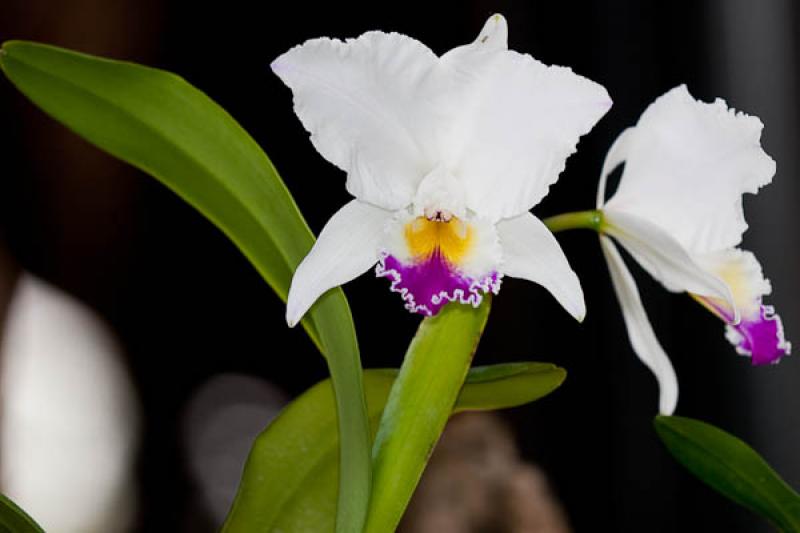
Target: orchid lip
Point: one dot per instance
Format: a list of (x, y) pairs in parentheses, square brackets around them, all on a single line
[(759, 334), (432, 261), (426, 287)]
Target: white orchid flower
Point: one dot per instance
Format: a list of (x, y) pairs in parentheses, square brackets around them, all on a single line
[(445, 156), (678, 211)]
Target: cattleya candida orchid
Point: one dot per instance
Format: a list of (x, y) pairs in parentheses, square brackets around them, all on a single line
[(445, 157), (678, 211)]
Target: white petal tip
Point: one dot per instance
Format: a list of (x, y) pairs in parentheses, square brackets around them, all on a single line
[(294, 313), (277, 65), (667, 409), (494, 33)]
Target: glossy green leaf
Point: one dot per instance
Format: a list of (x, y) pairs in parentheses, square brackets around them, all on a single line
[(733, 468), (15, 520), (159, 123), (290, 480), (419, 404)]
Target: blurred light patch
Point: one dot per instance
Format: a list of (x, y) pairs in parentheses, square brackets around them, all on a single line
[(222, 420), (69, 425), (477, 482)]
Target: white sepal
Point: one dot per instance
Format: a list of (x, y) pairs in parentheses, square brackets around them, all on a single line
[(494, 34), (530, 251), (346, 248), (519, 122), (640, 332)]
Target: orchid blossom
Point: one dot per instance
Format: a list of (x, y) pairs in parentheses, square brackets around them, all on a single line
[(445, 157), (678, 211)]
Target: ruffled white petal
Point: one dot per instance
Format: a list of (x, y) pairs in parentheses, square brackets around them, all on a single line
[(640, 332), (520, 121), (372, 106), (346, 248), (687, 165), (530, 251), (664, 257)]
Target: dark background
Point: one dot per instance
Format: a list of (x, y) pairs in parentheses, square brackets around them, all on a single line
[(188, 306)]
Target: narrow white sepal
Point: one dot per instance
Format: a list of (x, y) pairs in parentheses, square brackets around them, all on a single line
[(518, 121), (640, 332), (346, 248), (531, 251), (664, 258)]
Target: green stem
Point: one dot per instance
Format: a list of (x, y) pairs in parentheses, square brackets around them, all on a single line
[(592, 219)]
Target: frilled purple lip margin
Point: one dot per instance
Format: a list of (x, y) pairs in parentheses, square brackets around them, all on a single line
[(426, 287), (760, 337)]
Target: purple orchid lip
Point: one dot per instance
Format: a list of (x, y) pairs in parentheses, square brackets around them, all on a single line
[(761, 338), (428, 285), (759, 335)]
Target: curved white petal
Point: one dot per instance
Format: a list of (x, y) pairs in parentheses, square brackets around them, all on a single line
[(615, 156), (687, 165), (664, 257), (347, 247), (371, 107), (520, 121), (640, 332), (530, 251)]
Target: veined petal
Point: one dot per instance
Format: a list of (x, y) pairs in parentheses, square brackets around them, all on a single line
[(687, 165), (371, 105), (520, 120), (759, 334), (433, 262), (664, 257), (530, 251), (640, 332), (346, 248)]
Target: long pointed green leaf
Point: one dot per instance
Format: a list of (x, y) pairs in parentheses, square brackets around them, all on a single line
[(159, 123), (421, 400), (290, 480), (733, 468), (15, 520)]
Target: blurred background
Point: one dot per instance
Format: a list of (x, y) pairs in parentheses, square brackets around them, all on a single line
[(202, 357)]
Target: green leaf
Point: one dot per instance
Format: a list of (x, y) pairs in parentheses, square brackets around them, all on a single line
[(508, 385), (419, 404), (733, 468), (15, 520), (290, 480), (158, 122)]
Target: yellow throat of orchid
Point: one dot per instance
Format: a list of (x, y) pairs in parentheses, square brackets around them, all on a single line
[(452, 238)]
